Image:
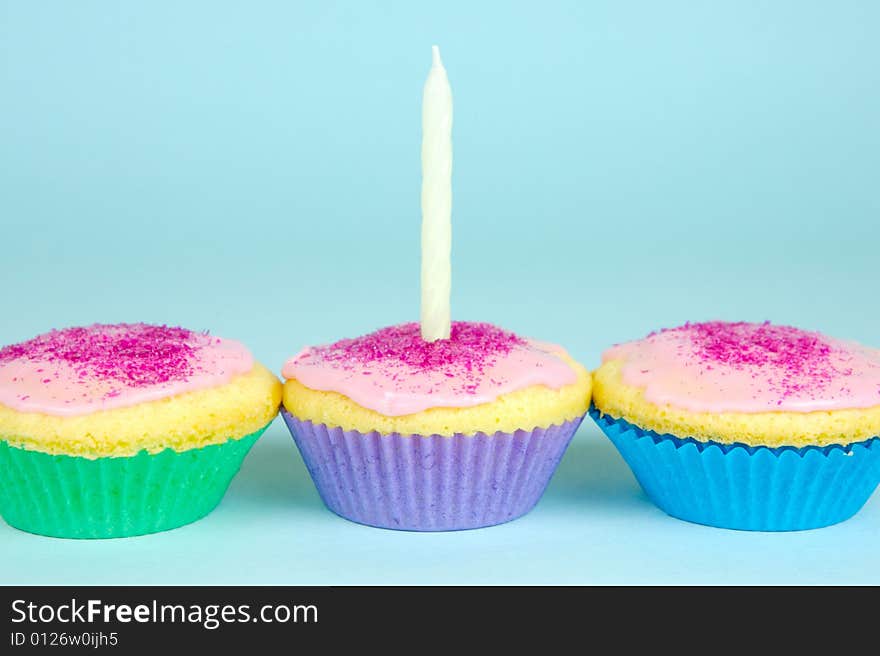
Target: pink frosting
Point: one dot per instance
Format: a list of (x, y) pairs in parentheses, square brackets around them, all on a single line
[(77, 371), (395, 372), (750, 367)]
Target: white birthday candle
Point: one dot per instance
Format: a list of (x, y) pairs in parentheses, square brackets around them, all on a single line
[(436, 202)]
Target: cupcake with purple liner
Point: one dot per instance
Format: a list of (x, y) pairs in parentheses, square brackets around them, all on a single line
[(441, 425), (745, 425), (404, 433)]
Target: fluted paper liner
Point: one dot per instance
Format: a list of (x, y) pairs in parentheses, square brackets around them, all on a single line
[(430, 482), (745, 487), (111, 497)]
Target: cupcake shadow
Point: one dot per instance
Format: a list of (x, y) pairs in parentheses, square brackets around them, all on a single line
[(273, 476), (592, 472)]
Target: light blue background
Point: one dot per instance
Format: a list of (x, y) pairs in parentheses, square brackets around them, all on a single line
[(253, 169)]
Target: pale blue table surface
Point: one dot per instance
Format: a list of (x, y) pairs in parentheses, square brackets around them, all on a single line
[(253, 169)]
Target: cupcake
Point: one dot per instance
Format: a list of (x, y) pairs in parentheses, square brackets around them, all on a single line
[(403, 433), (125, 429), (745, 425)]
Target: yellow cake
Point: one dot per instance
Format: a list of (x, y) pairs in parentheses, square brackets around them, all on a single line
[(537, 406), (754, 384), (612, 396), (185, 421)]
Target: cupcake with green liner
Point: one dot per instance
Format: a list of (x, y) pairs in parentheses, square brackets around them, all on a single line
[(125, 429), (745, 425)]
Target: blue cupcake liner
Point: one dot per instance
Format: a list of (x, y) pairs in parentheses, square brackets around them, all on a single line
[(744, 487)]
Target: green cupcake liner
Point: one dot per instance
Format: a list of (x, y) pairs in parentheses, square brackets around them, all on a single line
[(112, 497)]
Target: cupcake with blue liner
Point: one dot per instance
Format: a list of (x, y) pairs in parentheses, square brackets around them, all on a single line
[(748, 426), (403, 433), (115, 430)]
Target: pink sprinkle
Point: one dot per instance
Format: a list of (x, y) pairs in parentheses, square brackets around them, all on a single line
[(470, 348), (135, 355), (801, 359)]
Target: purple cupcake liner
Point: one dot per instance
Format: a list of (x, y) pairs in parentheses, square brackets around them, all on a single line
[(430, 482)]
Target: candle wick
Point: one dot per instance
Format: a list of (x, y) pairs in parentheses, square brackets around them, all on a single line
[(435, 56)]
